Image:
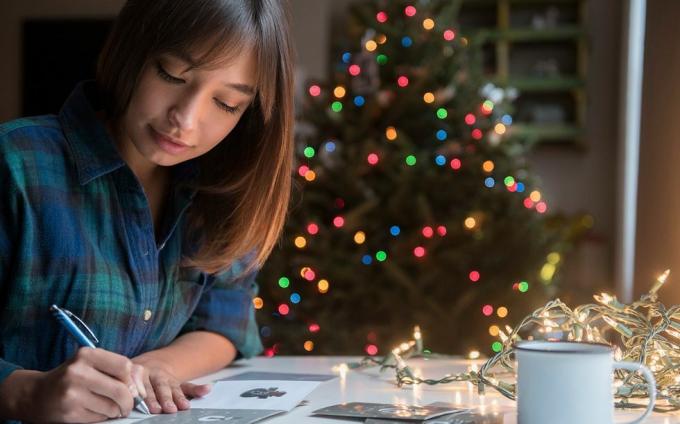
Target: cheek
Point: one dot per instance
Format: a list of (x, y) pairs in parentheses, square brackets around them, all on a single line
[(214, 133)]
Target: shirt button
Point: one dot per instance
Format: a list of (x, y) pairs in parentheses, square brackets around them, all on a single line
[(147, 314)]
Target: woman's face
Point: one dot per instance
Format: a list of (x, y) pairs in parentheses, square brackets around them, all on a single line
[(178, 112)]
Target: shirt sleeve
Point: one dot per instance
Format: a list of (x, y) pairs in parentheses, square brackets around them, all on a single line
[(8, 210), (226, 308)]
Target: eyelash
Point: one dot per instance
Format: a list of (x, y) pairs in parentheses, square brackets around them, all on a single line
[(164, 75)]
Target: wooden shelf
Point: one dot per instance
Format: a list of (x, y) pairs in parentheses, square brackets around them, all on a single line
[(529, 85), (538, 47), (530, 34)]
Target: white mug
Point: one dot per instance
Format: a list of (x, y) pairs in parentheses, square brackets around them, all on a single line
[(570, 383)]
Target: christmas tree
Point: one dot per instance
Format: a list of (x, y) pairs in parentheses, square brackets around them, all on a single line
[(415, 203)]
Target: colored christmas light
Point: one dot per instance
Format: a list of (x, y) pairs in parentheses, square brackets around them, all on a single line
[(338, 221), (455, 164), (258, 303), (410, 160), (470, 119), (309, 152), (284, 282), (441, 230), (487, 310), (406, 41), (381, 17), (502, 312), (440, 160), (419, 252), (314, 90), (284, 309), (541, 207), (449, 35), (381, 255), (359, 237), (402, 81), (371, 349), (476, 134), (488, 166), (441, 135), (323, 286), (489, 182), (428, 24), (295, 298), (428, 97), (371, 45), (359, 101), (354, 70), (391, 133), (336, 106), (442, 113), (309, 346), (381, 59), (312, 229), (428, 232), (372, 159), (410, 11), (314, 328), (339, 92), (470, 222), (474, 276), (395, 230)]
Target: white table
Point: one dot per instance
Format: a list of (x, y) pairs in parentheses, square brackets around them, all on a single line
[(370, 385)]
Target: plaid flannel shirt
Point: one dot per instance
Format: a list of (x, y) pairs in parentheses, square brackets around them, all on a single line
[(76, 231)]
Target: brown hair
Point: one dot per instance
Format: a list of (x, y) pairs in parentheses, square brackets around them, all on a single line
[(245, 182)]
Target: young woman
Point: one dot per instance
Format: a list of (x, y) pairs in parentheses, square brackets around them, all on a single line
[(145, 208)]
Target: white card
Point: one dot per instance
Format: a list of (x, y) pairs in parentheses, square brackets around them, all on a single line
[(255, 394)]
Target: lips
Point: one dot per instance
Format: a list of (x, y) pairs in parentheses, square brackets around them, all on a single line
[(168, 144)]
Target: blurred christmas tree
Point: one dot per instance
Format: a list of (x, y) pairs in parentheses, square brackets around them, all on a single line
[(416, 205)]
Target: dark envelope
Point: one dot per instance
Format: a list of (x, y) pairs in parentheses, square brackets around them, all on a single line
[(384, 410)]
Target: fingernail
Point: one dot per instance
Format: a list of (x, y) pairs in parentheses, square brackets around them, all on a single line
[(171, 406)]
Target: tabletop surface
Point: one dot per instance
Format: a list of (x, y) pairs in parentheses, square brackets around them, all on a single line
[(370, 385)]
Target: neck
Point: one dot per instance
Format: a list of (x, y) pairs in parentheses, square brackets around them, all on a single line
[(146, 171)]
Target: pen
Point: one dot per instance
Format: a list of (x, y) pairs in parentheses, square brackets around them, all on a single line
[(64, 317)]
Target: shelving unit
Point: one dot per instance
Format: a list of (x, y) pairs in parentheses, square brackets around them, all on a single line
[(540, 48)]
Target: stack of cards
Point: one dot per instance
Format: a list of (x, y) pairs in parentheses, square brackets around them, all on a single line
[(379, 413)]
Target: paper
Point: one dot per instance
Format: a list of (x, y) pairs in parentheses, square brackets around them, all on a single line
[(256, 394), (196, 416), (281, 376)]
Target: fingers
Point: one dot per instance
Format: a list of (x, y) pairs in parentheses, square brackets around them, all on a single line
[(108, 387), (138, 376), (113, 364), (103, 407), (179, 398), (150, 398), (195, 390), (161, 386)]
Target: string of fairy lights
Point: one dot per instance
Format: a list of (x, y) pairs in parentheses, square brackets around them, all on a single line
[(487, 121), (644, 331)]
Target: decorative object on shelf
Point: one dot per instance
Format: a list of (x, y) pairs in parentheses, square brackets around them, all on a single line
[(645, 331)]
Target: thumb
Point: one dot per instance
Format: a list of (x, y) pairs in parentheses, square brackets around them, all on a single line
[(195, 390)]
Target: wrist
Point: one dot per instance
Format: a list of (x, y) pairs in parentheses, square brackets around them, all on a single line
[(16, 394)]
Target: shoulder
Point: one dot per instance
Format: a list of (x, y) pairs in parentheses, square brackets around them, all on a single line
[(33, 143)]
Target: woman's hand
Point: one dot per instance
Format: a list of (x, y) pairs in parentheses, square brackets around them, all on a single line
[(94, 385), (164, 393)]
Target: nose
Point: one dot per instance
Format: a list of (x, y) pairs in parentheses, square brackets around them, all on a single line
[(184, 112)]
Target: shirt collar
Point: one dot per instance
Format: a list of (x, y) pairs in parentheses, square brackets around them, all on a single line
[(94, 151)]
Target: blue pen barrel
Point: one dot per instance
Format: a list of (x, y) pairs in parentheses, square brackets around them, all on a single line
[(71, 327)]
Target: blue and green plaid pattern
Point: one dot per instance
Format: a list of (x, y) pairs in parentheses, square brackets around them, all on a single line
[(76, 231)]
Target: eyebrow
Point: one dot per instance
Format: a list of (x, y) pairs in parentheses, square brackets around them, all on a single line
[(184, 56)]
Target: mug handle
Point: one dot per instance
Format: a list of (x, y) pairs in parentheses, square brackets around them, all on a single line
[(651, 385)]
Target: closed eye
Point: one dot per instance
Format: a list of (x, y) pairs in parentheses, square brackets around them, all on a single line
[(164, 75)]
